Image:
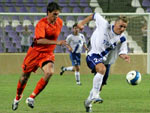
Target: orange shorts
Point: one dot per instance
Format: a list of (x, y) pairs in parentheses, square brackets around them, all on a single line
[(35, 59)]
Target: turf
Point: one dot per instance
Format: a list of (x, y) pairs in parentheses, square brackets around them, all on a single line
[(62, 95)]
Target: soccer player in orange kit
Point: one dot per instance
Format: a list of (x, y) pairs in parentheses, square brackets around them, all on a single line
[(40, 54)]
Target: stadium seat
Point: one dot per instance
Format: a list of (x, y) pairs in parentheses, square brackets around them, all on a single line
[(30, 3), (66, 10), (77, 10), (87, 10), (9, 28), (31, 28), (23, 9), (19, 3), (40, 3), (12, 9), (64, 29), (2, 9), (140, 10), (83, 3), (73, 3), (63, 3), (98, 10), (148, 10), (135, 3), (33, 10), (58, 49), (9, 3), (146, 3), (94, 3), (19, 29), (43, 10), (92, 24), (80, 18)]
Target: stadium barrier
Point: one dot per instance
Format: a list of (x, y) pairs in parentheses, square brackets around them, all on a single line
[(10, 63)]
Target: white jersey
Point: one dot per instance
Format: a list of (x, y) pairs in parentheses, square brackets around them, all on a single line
[(76, 42), (104, 37)]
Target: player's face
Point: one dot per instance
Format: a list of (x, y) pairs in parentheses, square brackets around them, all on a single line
[(119, 27), (76, 30), (52, 16)]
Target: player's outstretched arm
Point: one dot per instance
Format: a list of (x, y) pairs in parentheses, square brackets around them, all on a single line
[(83, 22), (125, 57)]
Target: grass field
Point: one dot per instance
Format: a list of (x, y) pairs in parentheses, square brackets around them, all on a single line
[(62, 95)]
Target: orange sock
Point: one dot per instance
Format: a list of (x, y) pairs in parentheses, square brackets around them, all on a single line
[(20, 88), (39, 87)]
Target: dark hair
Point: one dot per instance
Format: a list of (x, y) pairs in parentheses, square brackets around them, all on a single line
[(123, 18), (52, 6), (75, 25)]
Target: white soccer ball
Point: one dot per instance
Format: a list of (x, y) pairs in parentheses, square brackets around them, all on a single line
[(133, 77)]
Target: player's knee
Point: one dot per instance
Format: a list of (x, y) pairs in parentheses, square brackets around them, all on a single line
[(49, 73), (101, 69)]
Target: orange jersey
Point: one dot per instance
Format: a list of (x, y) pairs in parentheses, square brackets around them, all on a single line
[(48, 31)]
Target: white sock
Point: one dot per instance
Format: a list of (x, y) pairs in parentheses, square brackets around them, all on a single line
[(97, 82), (70, 68), (77, 76)]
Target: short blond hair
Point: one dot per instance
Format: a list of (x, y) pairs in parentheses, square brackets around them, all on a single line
[(123, 18)]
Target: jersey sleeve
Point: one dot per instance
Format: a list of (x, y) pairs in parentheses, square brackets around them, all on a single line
[(40, 30), (68, 39), (99, 20), (83, 37), (123, 48)]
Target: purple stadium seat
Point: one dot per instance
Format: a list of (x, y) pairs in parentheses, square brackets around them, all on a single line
[(23, 9), (146, 3), (19, 3), (66, 34), (1, 50), (12, 9), (65, 29), (148, 10), (2, 9), (19, 28), (31, 28), (15, 18), (63, 3), (9, 3), (66, 10), (84, 3), (77, 10), (87, 10), (79, 18), (9, 28), (44, 9), (73, 3), (70, 18), (12, 50), (33, 10), (30, 3), (40, 3), (58, 49), (50, 1)]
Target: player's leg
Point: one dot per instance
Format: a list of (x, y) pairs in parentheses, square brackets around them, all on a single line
[(94, 62), (20, 88), (106, 75), (48, 69), (77, 74), (69, 68)]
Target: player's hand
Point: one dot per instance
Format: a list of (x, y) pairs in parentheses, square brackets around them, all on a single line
[(61, 42), (69, 47), (125, 57), (80, 26)]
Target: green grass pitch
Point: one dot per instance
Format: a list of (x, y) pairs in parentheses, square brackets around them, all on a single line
[(62, 95)]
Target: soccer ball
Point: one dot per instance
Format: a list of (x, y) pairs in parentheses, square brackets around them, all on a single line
[(133, 77)]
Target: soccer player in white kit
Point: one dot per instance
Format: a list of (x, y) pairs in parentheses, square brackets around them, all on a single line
[(104, 39), (77, 42)]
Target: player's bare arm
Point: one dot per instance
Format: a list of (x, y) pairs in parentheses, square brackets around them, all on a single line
[(125, 57), (46, 41), (83, 22)]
